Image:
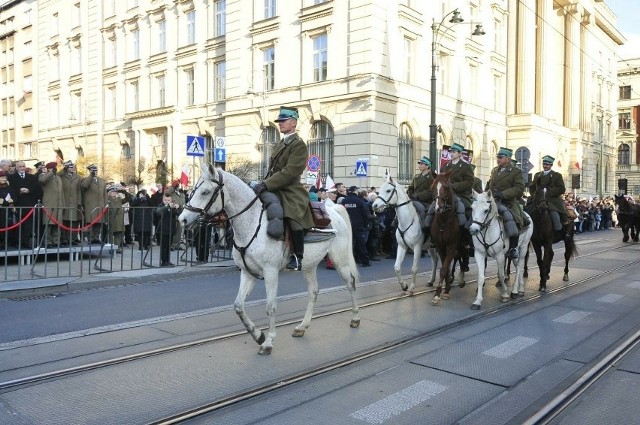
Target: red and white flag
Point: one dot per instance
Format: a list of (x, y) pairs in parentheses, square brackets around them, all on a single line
[(318, 181), (329, 184), (184, 177)]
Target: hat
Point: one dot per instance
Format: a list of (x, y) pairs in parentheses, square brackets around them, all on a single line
[(456, 147), (322, 189), (92, 167), (39, 164), (352, 189), (505, 152), (112, 189), (175, 183), (426, 161), (69, 164), (287, 112), (51, 165), (548, 159), (313, 189), (332, 190)]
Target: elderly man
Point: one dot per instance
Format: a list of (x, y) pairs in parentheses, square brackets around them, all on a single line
[(26, 193), (94, 199), (288, 161), (554, 183)]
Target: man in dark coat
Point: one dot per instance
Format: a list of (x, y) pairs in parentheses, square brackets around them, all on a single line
[(26, 192), (507, 187), (420, 187), (359, 215), (142, 219), (554, 183), (167, 214), (286, 164)]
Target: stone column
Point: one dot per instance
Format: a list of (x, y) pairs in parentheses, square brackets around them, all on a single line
[(526, 57), (572, 81)]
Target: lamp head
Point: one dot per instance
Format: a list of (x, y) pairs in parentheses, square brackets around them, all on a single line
[(479, 30), (456, 18)]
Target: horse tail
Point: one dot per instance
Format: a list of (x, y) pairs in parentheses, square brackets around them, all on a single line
[(571, 248), (353, 267)]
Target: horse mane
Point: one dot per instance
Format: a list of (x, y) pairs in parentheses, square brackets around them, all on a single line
[(446, 184)]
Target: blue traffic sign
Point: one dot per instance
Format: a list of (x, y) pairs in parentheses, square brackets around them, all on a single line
[(219, 155), (195, 146), (313, 163), (361, 168)]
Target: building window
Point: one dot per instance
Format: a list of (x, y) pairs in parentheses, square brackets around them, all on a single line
[(269, 138), (269, 67), (134, 95), (134, 46), (320, 143), (320, 57), (625, 92), (162, 36), (111, 52), (406, 165), (160, 90), (27, 17), (624, 154), (408, 60), (27, 117), (76, 106), (220, 78), (220, 18), (191, 26), (110, 101), (125, 152), (269, 9), (190, 86), (624, 121), (75, 17), (28, 49), (54, 112), (27, 84), (76, 60), (55, 67)]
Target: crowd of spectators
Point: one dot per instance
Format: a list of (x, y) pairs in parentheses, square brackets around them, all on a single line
[(593, 214)]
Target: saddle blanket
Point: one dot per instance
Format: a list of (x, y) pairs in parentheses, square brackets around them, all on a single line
[(318, 235)]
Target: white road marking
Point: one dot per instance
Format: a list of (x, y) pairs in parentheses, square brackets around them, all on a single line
[(610, 298), (397, 403), (572, 317), (634, 285), (511, 347)]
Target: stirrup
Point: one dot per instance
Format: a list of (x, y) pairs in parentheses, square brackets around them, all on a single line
[(294, 263)]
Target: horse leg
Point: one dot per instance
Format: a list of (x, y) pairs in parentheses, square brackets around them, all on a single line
[(481, 262), (525, 272), (271, 286), (402, 251), (444, 274), (537, 247), (348, 273), (449, 280), (434, 261), (417, 251), (625, 233), (504, 290), (247, 283), (312, 288)]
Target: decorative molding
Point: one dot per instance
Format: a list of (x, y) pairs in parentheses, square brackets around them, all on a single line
[(316, 11), (132, 23), (157, 14), (264, 26), (150, 113)]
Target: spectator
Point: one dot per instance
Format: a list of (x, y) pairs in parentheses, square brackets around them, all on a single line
[(359, 215), (53, 202), (313, 194), (167, 214), (342, 192), (177, 197), (26, 193), (142, 219), (115, 224), (373, 242), (7, 212), (72, 213), (94, 199)]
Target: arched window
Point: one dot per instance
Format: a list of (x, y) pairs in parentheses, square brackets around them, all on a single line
[(406, 166), (321, 143), (125, 151), (624, 154), (268, 139)]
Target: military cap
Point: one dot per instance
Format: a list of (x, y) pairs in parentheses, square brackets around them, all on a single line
[(287, 112), (505, 152), (424, 160), (548, 159), (457, 147)]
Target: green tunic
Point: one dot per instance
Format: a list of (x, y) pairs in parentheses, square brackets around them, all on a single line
[(510, 183), (461, 180), (286, 164), (420, 187), (555, 183)]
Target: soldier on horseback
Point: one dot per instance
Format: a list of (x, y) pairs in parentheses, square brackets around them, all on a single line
[(554, 182), (420, 188), (506, 185)]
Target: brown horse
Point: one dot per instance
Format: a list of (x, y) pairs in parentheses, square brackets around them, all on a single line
[(544, 237), (447, 236)]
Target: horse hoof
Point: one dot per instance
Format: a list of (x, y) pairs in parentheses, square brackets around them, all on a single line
[(565, 278), (445, 296), (462, 284), (514, 296), (504, 299), (542, 289), (264, 351), (521, 294), (409, 293), (355, 323), (435, 301), (297, 333), (474, 307), (430, 284)]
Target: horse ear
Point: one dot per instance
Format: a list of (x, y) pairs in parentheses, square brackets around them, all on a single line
[(489, 194), (433, 173), (212, 171)]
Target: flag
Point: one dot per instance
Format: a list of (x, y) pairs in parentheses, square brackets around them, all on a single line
[(184, 178), (577, 165), (559, 163), (318, 181), (329, 184)]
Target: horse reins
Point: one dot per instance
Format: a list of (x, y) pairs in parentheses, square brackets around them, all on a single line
[(485, 225), (396, 206)]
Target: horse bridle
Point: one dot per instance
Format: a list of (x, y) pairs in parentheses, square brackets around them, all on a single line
[(387, 202), (214, 196), (485, 225)]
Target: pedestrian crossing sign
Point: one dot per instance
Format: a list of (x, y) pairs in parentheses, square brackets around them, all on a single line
[(195, 146), (361, 168)]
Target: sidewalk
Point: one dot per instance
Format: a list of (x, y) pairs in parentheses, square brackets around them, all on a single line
[(57, 275)]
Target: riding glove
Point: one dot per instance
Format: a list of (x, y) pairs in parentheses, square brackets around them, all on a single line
[(259, 188), (498, 196)]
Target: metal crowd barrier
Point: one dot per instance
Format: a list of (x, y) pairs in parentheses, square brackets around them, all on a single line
[(40, 243)]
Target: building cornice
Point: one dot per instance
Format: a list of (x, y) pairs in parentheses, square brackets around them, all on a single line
[(150, 113)]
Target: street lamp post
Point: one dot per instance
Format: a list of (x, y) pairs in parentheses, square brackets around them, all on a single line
[(435, 29)]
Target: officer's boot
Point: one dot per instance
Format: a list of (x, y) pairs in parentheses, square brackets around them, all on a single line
[(513, 247), (297, 250)]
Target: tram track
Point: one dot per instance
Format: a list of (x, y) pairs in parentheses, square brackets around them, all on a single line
[(280, 383)]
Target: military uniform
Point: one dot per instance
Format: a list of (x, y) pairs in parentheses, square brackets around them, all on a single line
[(53, 201), (461, 180), (555, 183), (510, 183), (420, 188)]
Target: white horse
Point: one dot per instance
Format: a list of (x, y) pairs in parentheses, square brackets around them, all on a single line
[(489, 240), (409, 233), (257, 254)]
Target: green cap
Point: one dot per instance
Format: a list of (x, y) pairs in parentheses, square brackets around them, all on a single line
[(505, 152), (424, 160), (457, 147), (287, 112), (548, 159)]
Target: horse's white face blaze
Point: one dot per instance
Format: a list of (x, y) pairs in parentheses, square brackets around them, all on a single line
[(440, 206)]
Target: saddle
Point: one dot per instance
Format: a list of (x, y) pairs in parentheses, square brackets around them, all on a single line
[(321, 218)]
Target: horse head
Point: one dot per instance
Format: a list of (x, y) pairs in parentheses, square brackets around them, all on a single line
[(541, 200), (206, 198), (390, 194), (483, 210), (442, 192)]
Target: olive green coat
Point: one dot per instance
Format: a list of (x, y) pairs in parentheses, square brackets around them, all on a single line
[(116, 214), (287, 162), (510, 183), (52, 195), (94, 197), (461, 179), (420, 187), (72, 195), (555, 183)]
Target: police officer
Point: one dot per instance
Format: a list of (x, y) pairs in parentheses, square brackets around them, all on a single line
[(420, 187), (554, 182), (359, 215), (288, 161), (507, 187)]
